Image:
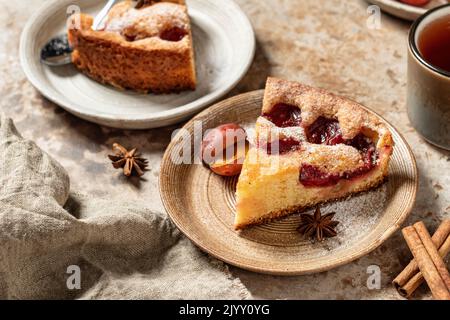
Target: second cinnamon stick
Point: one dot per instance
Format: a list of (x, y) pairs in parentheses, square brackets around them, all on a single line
[(433, 253)]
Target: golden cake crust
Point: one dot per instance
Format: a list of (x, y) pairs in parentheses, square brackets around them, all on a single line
[(315, 102), (130, 54)]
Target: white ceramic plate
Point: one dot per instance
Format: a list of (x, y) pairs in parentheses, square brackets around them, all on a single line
[(406, 11), (224, 44)]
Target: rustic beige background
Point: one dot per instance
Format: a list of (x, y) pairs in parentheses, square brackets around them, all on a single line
[(324, 43)]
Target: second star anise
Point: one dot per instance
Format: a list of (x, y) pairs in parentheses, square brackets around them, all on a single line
[(318, 226), (130, 161)]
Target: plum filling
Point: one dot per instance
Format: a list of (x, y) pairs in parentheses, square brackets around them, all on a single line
[(173, 34), (281, 147), (327, 131), (129, 37), (313, 176), (284, 115)]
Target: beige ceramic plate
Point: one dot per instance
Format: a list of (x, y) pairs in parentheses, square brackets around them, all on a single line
[(406, 11), (224, 47), (202, 205)]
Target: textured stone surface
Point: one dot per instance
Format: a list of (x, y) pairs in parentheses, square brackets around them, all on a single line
[(323, 43)]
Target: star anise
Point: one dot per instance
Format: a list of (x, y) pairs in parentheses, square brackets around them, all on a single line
[(318, 226), (130, 161)]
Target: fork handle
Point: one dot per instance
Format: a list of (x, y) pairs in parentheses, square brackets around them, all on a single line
[(102, 14)]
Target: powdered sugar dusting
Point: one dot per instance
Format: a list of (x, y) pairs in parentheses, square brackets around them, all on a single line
[(357, 215), (148, 21)]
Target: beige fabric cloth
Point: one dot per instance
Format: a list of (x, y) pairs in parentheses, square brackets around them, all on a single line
[(124, 250)]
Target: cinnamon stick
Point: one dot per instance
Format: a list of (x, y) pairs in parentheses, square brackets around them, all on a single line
[(425, 262), (433, 252), (411, 278)]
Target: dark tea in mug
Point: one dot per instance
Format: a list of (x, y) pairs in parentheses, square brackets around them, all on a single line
[(434, 43)]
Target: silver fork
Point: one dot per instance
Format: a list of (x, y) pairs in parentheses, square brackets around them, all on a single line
[(102, 14)]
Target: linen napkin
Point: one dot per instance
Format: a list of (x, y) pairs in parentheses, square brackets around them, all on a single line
[(55, 244)]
